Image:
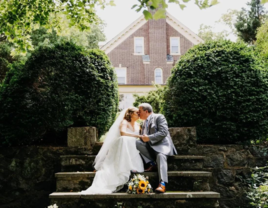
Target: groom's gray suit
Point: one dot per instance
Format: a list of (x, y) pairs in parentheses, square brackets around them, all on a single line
[(160, 145)]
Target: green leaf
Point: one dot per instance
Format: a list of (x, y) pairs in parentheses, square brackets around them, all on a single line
[(264, 1), (147, 15), (155, 3), (160, 14), (214, 2), (182, 6), (135, 5)]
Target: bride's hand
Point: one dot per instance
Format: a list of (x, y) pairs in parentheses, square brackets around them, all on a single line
[(145, 138)]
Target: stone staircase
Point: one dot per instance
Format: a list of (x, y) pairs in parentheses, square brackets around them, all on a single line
[(188, 186)]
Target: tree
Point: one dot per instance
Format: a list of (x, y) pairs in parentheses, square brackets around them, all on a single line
[(229, 19), (6, 58), (88, 38), (154, 97), (205, 32), (221, 88), (19, 18), (262, 40), (248, 21)]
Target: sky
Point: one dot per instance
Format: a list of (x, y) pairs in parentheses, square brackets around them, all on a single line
[(118, 17)]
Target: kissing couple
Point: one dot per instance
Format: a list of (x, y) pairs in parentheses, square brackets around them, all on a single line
[(126, 147)]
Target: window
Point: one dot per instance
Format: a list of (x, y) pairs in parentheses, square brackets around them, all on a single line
[(158, 76), (121, 75), (174, 45), (139, 45)]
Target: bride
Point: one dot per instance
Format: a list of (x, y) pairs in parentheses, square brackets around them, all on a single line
[(118, 155)]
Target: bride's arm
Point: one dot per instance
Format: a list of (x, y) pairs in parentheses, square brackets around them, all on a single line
[(123, 130)]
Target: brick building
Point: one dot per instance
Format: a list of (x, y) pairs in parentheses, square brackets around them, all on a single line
[(145, 52)]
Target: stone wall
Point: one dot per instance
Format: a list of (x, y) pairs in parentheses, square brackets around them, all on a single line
[(229, 164), (27, 174)]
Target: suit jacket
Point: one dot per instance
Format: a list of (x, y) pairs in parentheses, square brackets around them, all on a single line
[(159, 136)]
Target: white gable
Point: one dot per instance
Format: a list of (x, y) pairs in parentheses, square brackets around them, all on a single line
[(182, 29), (108, 47)]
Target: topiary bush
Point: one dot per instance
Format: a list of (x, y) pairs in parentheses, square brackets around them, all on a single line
[(221, 88), (58, 87)]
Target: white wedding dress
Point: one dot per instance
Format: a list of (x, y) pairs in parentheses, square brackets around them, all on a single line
[(122, 157)]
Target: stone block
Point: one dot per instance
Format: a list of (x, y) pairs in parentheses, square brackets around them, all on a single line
[(171, 200), (236, 158), (226, 177), (214, 161), (183, 138), (178, 180), (82, 137), (77, 163)]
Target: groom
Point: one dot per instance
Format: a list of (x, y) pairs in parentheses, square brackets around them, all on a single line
[(155, 144)]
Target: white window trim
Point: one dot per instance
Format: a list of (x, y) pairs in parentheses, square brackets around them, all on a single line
[(125, 71), (161, 76), (139, 54), (179, 41)]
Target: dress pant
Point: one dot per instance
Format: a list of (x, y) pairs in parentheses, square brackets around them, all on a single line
[(148, 154)]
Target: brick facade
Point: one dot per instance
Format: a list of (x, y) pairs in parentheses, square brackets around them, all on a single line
[(156, 35)]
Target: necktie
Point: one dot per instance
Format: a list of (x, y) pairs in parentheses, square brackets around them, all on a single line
[(146, 127)]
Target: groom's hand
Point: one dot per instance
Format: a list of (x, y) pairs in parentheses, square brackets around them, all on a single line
[(145, 138)]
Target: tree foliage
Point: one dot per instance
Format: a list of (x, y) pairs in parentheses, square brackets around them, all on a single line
[(248, 21), (6, 58), (19, 18), (221, 88), (229, 19), (154, 97), (262, 40), (206, 33), (88, 39), (58, 87)]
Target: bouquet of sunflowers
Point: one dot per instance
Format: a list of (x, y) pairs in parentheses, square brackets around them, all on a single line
[(139, 184)]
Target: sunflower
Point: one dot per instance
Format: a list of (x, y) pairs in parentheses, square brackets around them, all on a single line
[(142, 185), (130, 188), (140, 191)]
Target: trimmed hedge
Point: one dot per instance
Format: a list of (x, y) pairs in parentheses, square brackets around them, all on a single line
[(221, 88), (58, 87)]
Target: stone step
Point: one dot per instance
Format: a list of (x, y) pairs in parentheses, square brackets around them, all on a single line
[(178, 180), (168, 199), (84, 162)]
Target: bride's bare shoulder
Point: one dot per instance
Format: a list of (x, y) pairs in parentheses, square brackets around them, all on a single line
[(124, 122)]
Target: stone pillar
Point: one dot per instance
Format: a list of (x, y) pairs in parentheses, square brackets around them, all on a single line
[(183, 138), (82, 137)]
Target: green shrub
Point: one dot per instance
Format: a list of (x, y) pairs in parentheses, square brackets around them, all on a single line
[(221, 88), (258, 188), (154, 98), (58, 87)]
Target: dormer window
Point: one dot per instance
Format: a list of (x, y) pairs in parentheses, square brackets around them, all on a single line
[(139, 46), (175, 46)]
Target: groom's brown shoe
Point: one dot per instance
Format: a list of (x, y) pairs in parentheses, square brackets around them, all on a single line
[(160, 188), (151, 168)]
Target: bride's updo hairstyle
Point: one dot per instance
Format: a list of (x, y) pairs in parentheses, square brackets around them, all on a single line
[(129, 112)]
